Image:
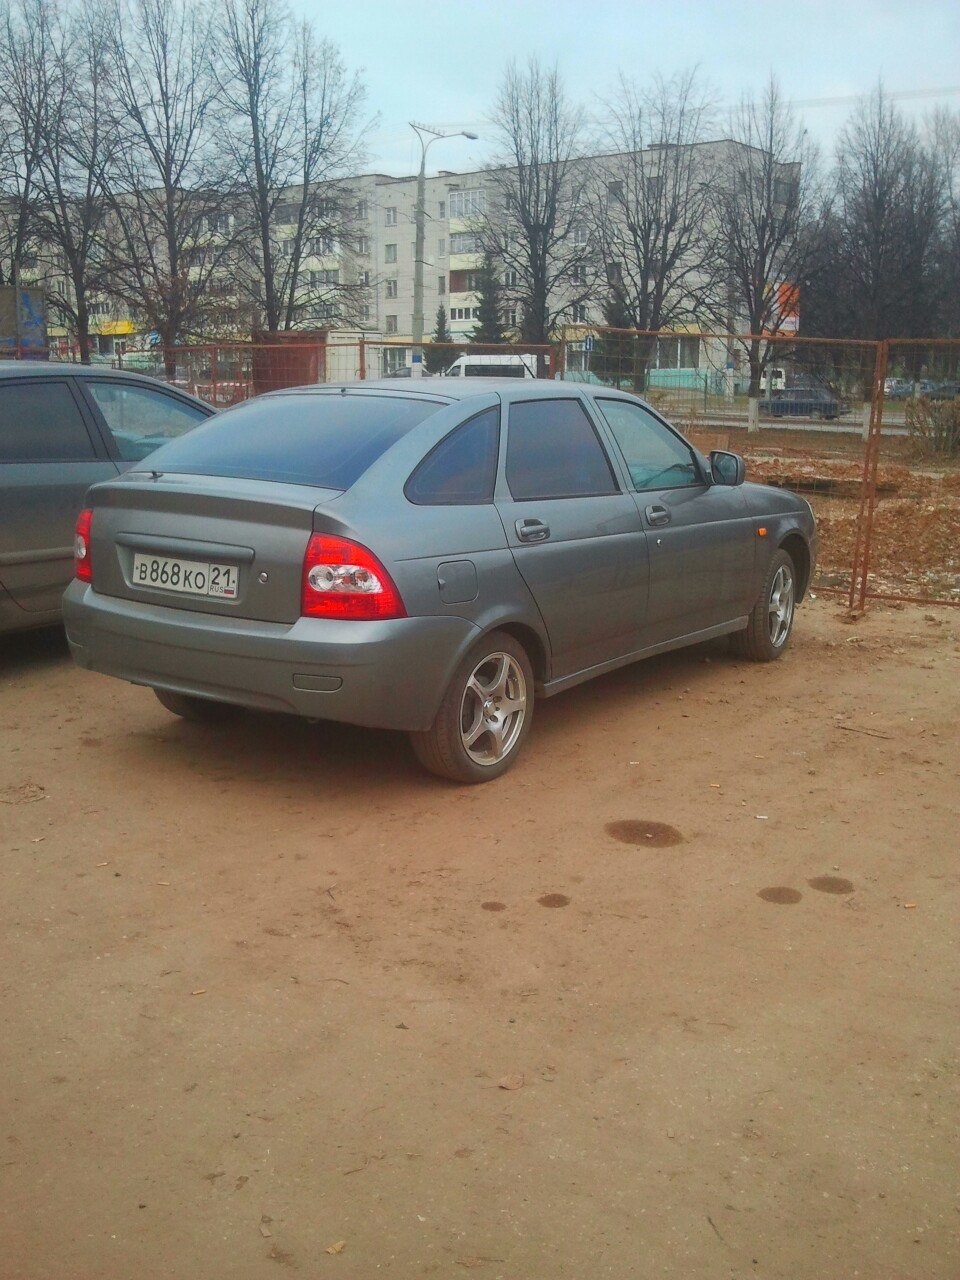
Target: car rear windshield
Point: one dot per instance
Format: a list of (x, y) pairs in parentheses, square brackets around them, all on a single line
[(327, 440)]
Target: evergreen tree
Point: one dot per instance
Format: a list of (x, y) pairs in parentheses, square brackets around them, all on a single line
[(489, 328), (613, 355), (437, 358)]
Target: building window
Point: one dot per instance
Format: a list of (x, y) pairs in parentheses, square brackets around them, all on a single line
[(390, 324), (579, 312), (363, 245), (99, 308), (390, 253), (464, 242), (322, 246), (287, 247), (285, 214), (391, 288), (327, 207), (441, 284), (581, 236), (442, 209), (394, 358), (467, 204), (689, 353), (512, 317), (441, 247), (363, 210), (363, 277), (364, 312), (221, 223), (511, 279), (324, 277), (614, 194), (390, 216), (578, 274)]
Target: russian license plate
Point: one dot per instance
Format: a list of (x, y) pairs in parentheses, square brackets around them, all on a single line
[(189, 577)]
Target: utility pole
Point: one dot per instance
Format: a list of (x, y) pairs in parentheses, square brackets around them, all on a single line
[(420, 219)]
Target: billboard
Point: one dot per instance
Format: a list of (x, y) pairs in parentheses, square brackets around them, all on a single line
[(23, 322)]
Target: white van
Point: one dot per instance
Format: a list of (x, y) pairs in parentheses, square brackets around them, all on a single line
[(502, 365)]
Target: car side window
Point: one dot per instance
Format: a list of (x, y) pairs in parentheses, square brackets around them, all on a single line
[(40, 422), (655, 457), (553, 452), (462, 469), (140, 419)]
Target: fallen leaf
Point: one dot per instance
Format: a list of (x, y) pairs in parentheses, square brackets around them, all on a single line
[(336, 1248), (511, 1082)]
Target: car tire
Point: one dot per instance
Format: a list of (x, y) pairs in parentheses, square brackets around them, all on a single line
[(199, 710), (767, 634), (472, 740)]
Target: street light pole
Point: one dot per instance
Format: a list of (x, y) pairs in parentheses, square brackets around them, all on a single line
[(420, 219)]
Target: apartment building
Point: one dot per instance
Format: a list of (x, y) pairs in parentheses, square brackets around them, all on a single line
[(360, 277)]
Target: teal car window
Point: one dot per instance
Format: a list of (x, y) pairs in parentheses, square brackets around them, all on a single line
[(140, 419), (655, 457)]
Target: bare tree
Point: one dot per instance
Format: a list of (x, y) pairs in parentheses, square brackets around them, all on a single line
[(294, 132), (77, 141), (170, 222), (945, 141), (890, 189), (25, 45), (768, 207), (652, 202), (536, 223)]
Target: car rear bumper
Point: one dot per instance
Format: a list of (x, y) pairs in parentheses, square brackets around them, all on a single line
[(387, 675)]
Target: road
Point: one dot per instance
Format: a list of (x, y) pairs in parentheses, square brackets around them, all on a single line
[(675, 998)]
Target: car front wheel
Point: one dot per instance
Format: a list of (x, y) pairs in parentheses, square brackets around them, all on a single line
[(768, 632), (485, 714)]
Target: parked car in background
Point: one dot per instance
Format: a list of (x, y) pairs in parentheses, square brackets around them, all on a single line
[(946, 391), (62, 428), (897, 388), (429, 558), (812, 402)]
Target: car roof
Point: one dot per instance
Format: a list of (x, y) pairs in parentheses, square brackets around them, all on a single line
[(64, 368), (452, 389)]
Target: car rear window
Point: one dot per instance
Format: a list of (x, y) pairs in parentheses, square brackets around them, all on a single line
[(326, 440)]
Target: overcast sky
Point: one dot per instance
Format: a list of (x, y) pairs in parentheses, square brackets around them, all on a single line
[(440, 60)]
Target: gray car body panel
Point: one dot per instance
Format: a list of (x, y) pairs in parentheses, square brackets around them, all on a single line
[(605, 588), (40, 501)]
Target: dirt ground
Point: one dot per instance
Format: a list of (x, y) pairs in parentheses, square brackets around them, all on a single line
[(676, 998)]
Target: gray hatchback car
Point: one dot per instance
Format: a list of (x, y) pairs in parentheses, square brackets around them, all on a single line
[(62, 428), (429, 558)]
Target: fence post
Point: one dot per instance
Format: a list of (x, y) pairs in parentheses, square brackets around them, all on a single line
[(363, 361), (860, 567), (214, 374)]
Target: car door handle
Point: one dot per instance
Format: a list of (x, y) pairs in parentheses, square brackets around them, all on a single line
[(532, 530), (657, 515)]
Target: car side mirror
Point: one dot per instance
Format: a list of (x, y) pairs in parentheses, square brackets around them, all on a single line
[(727, 468)]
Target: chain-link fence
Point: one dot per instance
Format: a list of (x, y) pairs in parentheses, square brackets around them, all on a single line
[(868, 432)]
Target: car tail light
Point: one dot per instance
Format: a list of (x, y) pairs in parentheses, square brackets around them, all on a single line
[(82, 565), (342, 579)]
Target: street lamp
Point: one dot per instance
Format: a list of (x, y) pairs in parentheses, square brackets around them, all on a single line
[(420, 217)]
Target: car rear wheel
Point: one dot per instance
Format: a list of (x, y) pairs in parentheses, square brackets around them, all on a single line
[(485, 714), (199, 710), (768, 632)]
